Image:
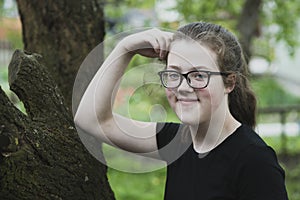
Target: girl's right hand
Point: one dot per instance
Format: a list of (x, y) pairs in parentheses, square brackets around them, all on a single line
[(152, 43)]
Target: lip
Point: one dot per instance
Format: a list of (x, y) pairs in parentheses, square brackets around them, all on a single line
[(187, 101)]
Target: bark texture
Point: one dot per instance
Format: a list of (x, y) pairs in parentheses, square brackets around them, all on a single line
[(64, 32), (248, 25), (42, 156)]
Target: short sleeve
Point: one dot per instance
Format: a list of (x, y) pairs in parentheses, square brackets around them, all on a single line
[(170, 142), (165, 133), (259, 175)]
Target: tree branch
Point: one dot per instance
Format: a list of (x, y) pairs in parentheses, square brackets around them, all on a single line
[(12, 125), (41, 154), (248, 24), (38, 93)]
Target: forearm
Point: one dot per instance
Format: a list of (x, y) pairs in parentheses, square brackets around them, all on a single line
[(96, 103)]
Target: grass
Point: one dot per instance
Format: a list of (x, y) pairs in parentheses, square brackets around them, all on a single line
[(293, 179), (146, 186), (290, 161)]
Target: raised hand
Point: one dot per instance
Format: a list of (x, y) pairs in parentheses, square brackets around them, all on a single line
[(152, 43)]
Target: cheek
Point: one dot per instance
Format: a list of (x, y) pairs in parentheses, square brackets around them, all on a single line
[(210, 97), (217, 99), (171, 97), (204, 96)]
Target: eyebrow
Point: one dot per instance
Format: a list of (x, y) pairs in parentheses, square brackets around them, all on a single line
[(178, 68)]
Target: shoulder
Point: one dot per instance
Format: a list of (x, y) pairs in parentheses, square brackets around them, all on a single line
[(239, 141), (166, 127), (249, 152), (171, 140), (166, 132), (258, 174), (251, 148), (257, 171), (247, 136), (258, 157)]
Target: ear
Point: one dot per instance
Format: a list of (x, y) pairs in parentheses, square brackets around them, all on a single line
[(230, 81)]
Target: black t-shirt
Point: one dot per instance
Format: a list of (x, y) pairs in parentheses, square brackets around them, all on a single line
[(242, 167)]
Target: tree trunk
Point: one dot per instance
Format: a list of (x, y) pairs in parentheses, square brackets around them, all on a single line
[(63, 32), (248, 25), (42, 156)]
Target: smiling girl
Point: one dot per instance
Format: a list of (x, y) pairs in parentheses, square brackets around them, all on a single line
[(214, 152)]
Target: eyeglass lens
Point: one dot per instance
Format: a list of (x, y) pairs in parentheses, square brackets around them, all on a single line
[(195, 79)]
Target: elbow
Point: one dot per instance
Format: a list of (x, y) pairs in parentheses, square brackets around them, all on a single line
[(84, 123), (86, 120), (83, 119), (89, 120), (89, 124), (77, 120), (83, 116)]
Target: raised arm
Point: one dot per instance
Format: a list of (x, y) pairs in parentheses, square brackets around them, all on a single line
[(94, 114)]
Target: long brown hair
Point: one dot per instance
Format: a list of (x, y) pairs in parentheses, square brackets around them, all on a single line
[(230, 58)]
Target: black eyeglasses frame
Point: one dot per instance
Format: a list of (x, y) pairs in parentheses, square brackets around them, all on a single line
[(185, 75)]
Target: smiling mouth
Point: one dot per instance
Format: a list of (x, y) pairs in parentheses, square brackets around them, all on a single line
[(187, 101)]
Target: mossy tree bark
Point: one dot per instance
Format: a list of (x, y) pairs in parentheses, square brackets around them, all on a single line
[(41, 155), (63, 32)]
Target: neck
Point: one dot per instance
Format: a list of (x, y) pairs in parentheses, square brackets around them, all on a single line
[(206, 136)]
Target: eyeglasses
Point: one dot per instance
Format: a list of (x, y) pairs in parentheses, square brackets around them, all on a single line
[(197, 79)]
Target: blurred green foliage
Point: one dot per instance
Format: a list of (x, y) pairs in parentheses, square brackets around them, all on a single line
[(274, 25), (4, 78), (8, 8), (1, 8), (270, 92), (278, 20), (9, 11), (217, 11), (15, 39)]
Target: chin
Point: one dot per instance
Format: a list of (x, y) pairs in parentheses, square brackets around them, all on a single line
[(188, 118), (188, 114)]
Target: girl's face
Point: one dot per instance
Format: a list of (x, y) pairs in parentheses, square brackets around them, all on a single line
[(195, 106)]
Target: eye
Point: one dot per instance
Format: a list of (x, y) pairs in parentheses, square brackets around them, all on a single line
[(173, 76), (198, 76)]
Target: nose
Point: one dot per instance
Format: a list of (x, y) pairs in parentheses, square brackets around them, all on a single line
[(184, 86)]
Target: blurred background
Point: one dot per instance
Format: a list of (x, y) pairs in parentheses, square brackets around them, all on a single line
[(269, 31)]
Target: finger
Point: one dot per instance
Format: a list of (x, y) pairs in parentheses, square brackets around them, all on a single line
[(145, 44), (159, 42), (154, 44), (165, 42), (162, 47)]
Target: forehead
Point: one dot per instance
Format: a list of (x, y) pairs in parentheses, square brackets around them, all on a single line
[(187, 54)]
